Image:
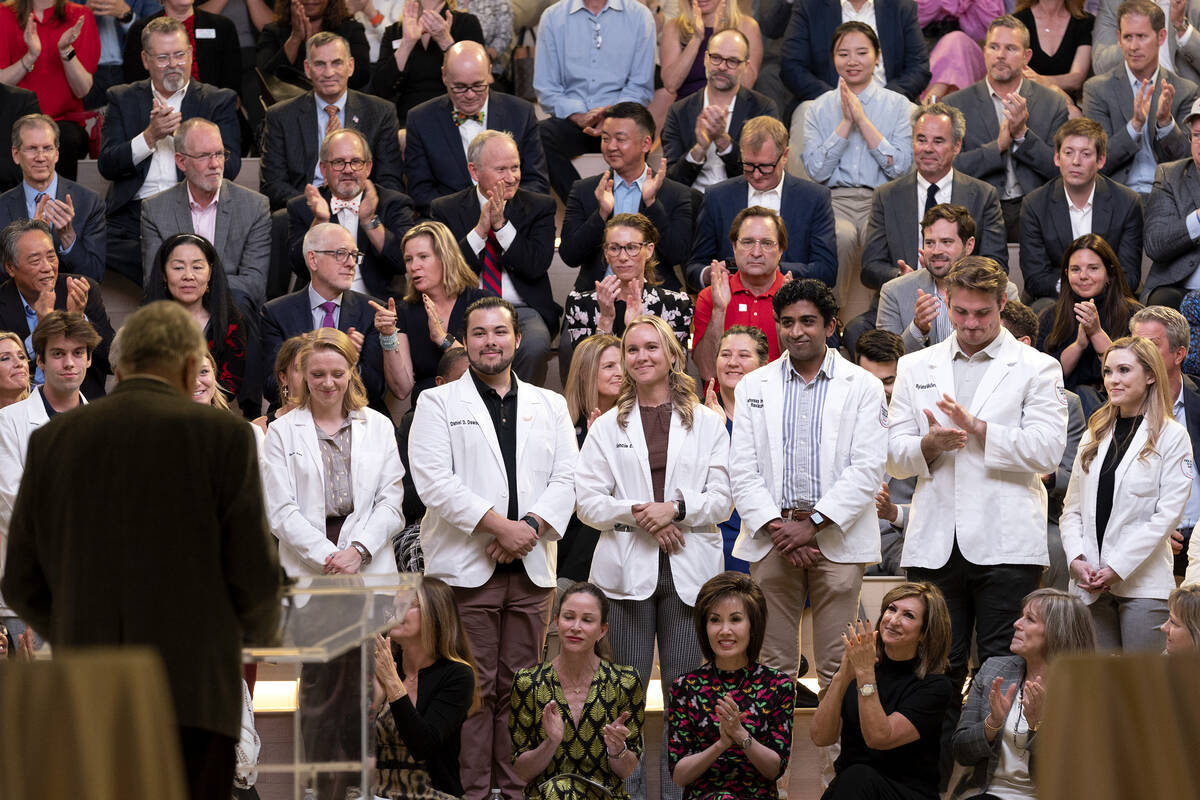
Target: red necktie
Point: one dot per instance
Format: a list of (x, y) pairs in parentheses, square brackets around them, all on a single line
[(491, 265)]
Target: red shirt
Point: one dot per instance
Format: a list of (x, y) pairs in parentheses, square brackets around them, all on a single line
[(49, 77), (189, 25), (745, 308)]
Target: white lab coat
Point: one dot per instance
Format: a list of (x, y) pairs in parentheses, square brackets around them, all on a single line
[(458, 471), (614, 474), (1148, 501), (991, 497), (852, 451), (294, 491)]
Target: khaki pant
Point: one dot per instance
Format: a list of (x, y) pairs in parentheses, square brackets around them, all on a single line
[(851, 210), (833, 591)]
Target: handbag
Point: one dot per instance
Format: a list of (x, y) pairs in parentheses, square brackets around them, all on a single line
[(520, 67)]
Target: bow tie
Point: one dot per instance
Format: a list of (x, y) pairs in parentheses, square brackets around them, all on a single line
[(336, 205), (459, 117)]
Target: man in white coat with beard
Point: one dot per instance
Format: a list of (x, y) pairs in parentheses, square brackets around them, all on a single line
[(493, 458)]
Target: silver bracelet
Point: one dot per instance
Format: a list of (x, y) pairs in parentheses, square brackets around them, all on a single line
[(618, 755), (390, 341)]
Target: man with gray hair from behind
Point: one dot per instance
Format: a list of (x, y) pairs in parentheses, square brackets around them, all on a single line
[(140, 523), (1169, 331)]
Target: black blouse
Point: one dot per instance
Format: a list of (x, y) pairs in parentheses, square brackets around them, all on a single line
[(413, 321), (923, 702), (1078, 34), (421, 79), (1122, 435)]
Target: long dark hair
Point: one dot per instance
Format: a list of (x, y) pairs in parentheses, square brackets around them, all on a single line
[(25, 7), (335, 14), (1115, 305), (217, 300), (602, 648)]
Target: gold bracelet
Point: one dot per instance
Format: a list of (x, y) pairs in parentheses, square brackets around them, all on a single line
[(988, 727)]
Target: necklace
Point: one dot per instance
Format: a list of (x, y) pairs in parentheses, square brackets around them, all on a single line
[(577, 687)]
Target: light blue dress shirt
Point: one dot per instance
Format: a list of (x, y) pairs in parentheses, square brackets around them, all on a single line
[(627, 197), (835, 161), (318, 314), (31, 196), (31, 321), (586, 60), (322, 121), (1141, 171)]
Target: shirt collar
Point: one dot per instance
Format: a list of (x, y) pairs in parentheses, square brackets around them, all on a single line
[(729, 110), (1134, 82), (945, 183), (486, 391), (992, 90), (340, 102), (168, 98), (826, 370), (868, 94), (315, 300), (636, 181), (736, 285), (194, 204), (1178, 406), (991, 351), (1086, 206), (577, 5), (32, 193), (778, 190), (868, 7)]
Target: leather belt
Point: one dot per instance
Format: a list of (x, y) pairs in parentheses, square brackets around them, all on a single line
[(795, 514)]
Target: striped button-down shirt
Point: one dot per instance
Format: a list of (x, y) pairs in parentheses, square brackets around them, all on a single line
[(803, 406)]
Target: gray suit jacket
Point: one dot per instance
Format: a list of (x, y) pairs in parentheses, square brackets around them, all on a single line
[(1108, 99), (971, 747), (898, 306), (1106, 46), (1175, 254), (892, 228), (242, 233), (1033, 160)]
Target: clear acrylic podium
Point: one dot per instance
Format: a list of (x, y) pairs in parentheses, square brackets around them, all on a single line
[(330, 625)]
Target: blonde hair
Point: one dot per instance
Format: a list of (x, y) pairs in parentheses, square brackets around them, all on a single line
[(12, 337), (580, 388), (1156, 406), (332, 339), (682, 387), (283, 364), (732, 21), (457, 277)]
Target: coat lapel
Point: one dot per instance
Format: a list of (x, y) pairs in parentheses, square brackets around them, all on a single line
[(1001, 365), (183, 212), (474, 403), (1131, 453), (773, 398), (308, 133), (225, 211)]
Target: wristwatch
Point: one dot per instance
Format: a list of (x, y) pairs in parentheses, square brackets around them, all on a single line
[(447, 342), (363, 552), (749, 740), (867, 689), (70, 55), (817, 519), (680, 510), (372, 223), (126, 18), (533, 523)]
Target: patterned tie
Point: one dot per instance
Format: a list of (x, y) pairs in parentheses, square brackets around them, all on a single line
[(336, 205), (328, 306), (491, 265), (459, 117), (930, 198), (333, 124)]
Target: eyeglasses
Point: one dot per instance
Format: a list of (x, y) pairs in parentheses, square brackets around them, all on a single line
[(219, 155), (167, 59), (749, 244), (343, 255), (468, 88), (47, 150), (761, 169), (724, 61), (339, 164), (630, 249)]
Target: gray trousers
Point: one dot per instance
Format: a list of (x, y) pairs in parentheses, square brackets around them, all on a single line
[(1129, 624)]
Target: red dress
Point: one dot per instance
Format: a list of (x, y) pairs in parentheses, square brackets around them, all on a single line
[(49, 78)]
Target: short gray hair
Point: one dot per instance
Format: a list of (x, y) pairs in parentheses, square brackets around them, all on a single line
[(1179, 333), (32, 121), (189, 125), (13, 232), (323, 38), (158, 337), (315, 239), (475, 148), (357, 134), (958, 123), (162, 26)]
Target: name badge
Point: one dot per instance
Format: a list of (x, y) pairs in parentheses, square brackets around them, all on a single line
[(396, 44), (742, 307), (206, 33)]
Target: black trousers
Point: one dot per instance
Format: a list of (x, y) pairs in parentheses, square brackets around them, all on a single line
[(984, 600), (208, 763), (125, 241), (563, 140), (863, 782)]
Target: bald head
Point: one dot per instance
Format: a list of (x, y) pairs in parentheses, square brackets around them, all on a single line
[(467, 73)]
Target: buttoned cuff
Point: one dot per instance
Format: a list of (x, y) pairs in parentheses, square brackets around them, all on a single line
[(506, 235), (1193, 225), (141, 150), (1162, 133)]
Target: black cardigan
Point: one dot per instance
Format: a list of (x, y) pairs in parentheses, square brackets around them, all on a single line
[(431, 731)]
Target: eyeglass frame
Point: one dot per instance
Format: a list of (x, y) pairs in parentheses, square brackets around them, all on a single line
[(223, 154), (725, 61), (346, 162), (461, 89), (629, 248), (178, 57), (357, 255)]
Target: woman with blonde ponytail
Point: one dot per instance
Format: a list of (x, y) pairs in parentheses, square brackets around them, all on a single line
[(1131, 479), (653, 479)]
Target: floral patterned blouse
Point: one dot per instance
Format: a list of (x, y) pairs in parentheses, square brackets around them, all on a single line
[(767, 694), (614, 689), (583, 313)]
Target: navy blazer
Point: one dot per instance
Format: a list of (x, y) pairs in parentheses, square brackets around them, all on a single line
[(12, 318), (128, 113), (806, 63), (583, 231), (87, 256), (15, 103), (377, 269), (290, 315), (434, 161), (679, 132), (807, 213), (527, 261), (1046, 232), (290, 146)]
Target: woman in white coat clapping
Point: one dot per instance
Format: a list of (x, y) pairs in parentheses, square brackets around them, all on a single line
[(333, 474), (653, 479), (1131, 479)]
